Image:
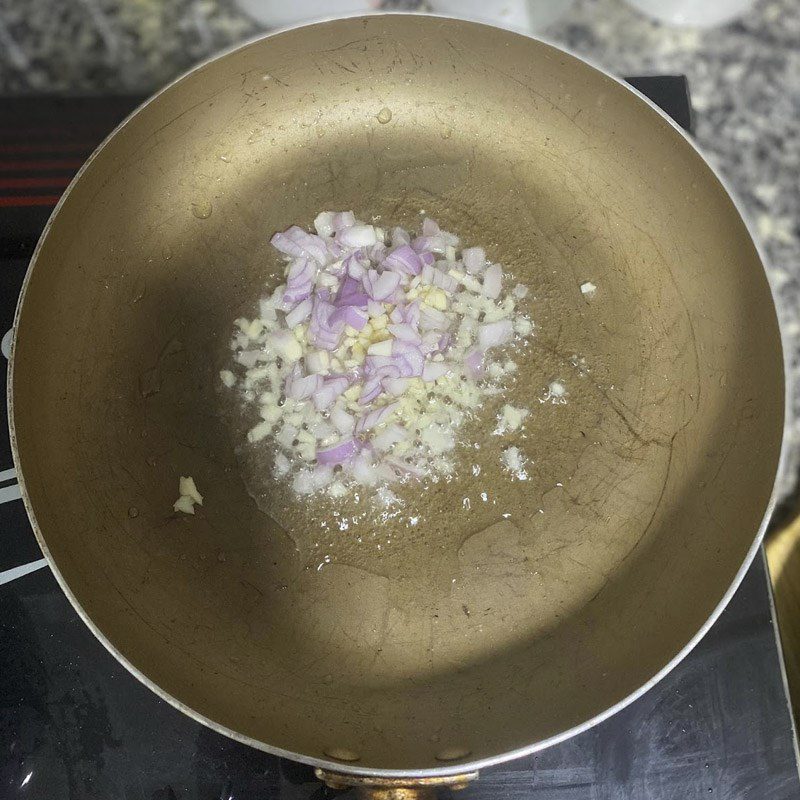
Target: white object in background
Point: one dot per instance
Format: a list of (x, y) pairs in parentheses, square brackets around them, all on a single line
[(693, 13), (531, 16), (277, 13), (5, 346), (8, 575), (7, 495)]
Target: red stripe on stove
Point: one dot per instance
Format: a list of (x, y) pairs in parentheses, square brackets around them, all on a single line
[(30, 200), (64, 163), (31, 183)]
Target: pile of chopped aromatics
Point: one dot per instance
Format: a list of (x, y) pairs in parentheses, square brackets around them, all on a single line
[(374, 351)]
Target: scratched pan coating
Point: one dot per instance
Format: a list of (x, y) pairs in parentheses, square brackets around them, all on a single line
[(472, 637)]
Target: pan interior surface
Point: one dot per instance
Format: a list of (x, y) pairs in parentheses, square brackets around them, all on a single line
[(471, 634)]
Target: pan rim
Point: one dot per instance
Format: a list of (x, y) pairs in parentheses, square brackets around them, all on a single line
[(459, 767)]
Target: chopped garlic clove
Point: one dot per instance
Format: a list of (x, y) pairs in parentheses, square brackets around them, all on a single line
[(437, 298), (337, 489), (259, 432), (290, 350), (270, 413), (184, 504), (514, 461), (186, 486), (522, 326), (510, 419), (254, 329)]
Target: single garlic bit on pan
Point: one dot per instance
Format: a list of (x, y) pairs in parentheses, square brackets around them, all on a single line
[(514, 462), (510, 419), (374, 351), (188, 496)]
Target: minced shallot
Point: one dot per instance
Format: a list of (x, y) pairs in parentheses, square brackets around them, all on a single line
[(377, 347)]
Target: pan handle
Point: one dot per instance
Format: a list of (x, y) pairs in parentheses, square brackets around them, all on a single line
[(375, 788)]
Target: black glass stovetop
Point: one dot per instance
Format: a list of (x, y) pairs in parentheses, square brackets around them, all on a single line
[(74, 725)]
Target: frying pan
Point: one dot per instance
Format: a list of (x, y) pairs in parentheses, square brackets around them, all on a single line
[(470, 638)]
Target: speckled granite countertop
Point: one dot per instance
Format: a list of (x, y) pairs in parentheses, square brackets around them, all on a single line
[(744, 78)]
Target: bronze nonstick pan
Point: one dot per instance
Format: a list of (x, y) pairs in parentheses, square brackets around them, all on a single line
[(471, 638)]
